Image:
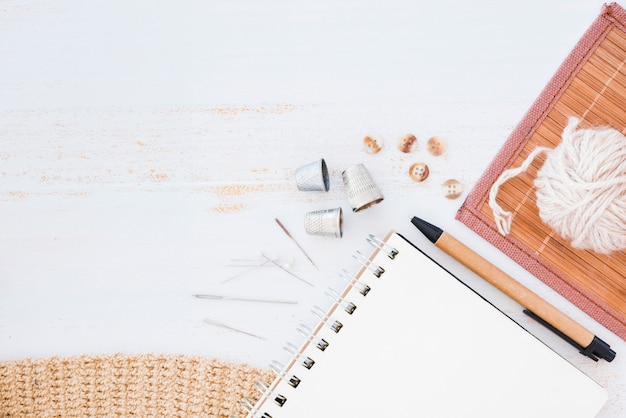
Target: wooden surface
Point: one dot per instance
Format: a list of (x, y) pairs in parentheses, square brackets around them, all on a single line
[(144, 149), (590, 85)]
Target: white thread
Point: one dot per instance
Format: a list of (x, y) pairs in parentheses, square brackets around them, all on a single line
[(580, 189), (502, 217)]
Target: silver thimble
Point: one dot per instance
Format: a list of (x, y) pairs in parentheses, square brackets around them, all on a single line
[(361, 190), (313, 177), (327, 222)]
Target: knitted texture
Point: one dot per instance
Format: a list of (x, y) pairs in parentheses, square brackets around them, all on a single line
[(581, 188), (126, 386)]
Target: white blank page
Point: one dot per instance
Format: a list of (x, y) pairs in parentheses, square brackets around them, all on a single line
[(421, 343)]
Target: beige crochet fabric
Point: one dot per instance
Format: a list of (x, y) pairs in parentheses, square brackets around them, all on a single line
[(126, 386)]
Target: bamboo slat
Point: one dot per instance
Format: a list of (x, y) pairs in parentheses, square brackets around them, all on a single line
[(593, 88)]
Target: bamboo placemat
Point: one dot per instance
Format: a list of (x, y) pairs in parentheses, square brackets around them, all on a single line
[(590, 84), (147, 385)]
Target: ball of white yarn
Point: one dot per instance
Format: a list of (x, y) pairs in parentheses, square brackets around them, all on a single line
[(581, 188)]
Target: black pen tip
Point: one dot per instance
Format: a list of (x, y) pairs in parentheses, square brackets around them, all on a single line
[(599, 349), (429, 230)]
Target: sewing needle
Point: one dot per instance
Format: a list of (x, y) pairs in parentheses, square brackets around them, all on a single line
[(295, 242), (241, 299), (245, 271), (221, 325), (284, 269)]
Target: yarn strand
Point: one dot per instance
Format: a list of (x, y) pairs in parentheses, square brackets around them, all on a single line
[(502, 217), (580, 189)]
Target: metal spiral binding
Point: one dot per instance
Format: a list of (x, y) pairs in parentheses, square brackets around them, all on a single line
[(248, 406), (347, 306), (264, 388), (307, 362), (321, 315), (322, 344), (383, 246), (325, 320), (354, 282), (366, 262), (278, 368)]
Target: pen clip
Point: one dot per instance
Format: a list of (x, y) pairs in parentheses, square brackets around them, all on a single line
[(597, 347), (559, 333)]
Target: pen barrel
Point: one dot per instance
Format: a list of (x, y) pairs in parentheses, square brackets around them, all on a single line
[(515, 290)]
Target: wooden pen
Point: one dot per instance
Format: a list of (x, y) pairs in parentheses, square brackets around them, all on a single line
[(536, 307)]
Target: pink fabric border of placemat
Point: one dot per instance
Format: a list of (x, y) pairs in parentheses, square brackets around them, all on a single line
[(469, 213)]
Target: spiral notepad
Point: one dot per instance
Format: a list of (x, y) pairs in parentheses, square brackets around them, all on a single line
[(407, 338)]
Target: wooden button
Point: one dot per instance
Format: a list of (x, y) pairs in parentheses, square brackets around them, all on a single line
[(419, 172), (452, 188), (436, 146), (372, 144), (407, 143)]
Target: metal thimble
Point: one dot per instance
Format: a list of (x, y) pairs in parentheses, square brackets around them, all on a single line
[(361, 190), (313, 177), (327, 222)]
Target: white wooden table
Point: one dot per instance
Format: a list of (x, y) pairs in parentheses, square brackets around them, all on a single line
[(146, 147)]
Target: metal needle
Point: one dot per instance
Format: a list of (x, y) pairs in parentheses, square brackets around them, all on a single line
[(221, 325), (242, 299), (283, 268), (296, 242), (244, 272)]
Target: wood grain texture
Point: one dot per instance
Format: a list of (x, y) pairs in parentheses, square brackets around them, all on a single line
[(143, 148), (594, 91)]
